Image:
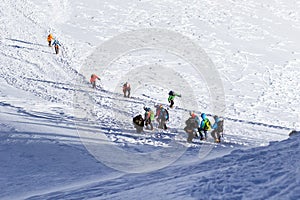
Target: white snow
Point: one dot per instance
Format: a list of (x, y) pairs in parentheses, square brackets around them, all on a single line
[(60, 139)]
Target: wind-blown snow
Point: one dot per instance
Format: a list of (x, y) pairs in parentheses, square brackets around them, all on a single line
[(255, 47)]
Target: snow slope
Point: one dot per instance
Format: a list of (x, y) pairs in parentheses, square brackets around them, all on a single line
[(244, 174), (48, 151)]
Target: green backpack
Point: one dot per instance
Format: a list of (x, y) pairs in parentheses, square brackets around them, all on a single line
[(152, 115), (207, 125)]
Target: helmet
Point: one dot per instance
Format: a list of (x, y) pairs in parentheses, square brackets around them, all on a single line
[(215, 117)]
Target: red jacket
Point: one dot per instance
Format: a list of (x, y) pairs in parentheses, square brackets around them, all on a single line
[(126, 86), (94, 77)]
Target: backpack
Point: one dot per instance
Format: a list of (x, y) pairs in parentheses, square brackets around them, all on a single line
[(152, 115), (220, 126), (164, 114), (207, 124), (138, 120), (191, 123)]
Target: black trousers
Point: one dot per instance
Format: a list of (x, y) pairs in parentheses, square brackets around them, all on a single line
[(126, 91), (56, 49), (148, 122), (172, 103), (201, 134), (94, 84)]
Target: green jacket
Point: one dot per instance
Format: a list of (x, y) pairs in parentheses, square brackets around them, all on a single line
[(172, 97)]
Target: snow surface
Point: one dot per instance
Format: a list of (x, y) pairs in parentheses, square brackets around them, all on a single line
[(56, 146)]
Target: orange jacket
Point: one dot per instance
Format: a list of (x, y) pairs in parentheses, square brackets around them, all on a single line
[(94, 77), (50, 37)]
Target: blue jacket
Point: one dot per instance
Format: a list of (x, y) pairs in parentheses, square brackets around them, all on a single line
[(204, 120), (56, 42), (215, 126)]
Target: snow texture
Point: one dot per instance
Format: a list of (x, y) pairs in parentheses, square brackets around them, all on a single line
[(54, 145)]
